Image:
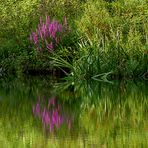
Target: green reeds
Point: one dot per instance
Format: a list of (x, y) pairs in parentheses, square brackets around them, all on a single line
[(118, 32)]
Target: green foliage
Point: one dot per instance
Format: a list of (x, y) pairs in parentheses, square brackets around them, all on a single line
[(118, 32), (16, 18), (107, 37)]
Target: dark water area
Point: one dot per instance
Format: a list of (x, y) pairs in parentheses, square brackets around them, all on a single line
[(39, 112)]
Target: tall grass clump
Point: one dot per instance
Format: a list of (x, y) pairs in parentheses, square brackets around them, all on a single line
[(119, 31), (112, 41)]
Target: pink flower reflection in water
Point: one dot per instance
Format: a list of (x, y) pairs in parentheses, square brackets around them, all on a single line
[(51, 115)]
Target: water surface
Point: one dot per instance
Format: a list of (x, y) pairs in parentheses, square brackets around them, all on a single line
[(37, 112)]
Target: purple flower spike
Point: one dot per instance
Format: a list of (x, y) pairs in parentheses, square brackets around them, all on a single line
[(45, 117), (40, 33), (50, 30), (35, 37), (49, 46), (36, 109)]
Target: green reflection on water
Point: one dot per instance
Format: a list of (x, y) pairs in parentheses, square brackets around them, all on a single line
[(102, 115)]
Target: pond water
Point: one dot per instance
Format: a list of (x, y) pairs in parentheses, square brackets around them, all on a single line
[(38, 112)]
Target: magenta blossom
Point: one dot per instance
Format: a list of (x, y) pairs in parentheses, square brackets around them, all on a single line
[(34, 37), (49, 34), (49, 46)]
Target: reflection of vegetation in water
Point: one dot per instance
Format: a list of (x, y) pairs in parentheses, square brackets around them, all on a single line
[(112, 114), (118, 120), (104, 116), (51, 115)]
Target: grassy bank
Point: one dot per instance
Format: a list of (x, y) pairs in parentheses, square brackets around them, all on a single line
[(106, 39)]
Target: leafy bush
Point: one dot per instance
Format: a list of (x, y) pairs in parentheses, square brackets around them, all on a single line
[(123, 22)]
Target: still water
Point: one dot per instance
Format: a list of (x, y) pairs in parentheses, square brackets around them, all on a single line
[(38, 112)]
